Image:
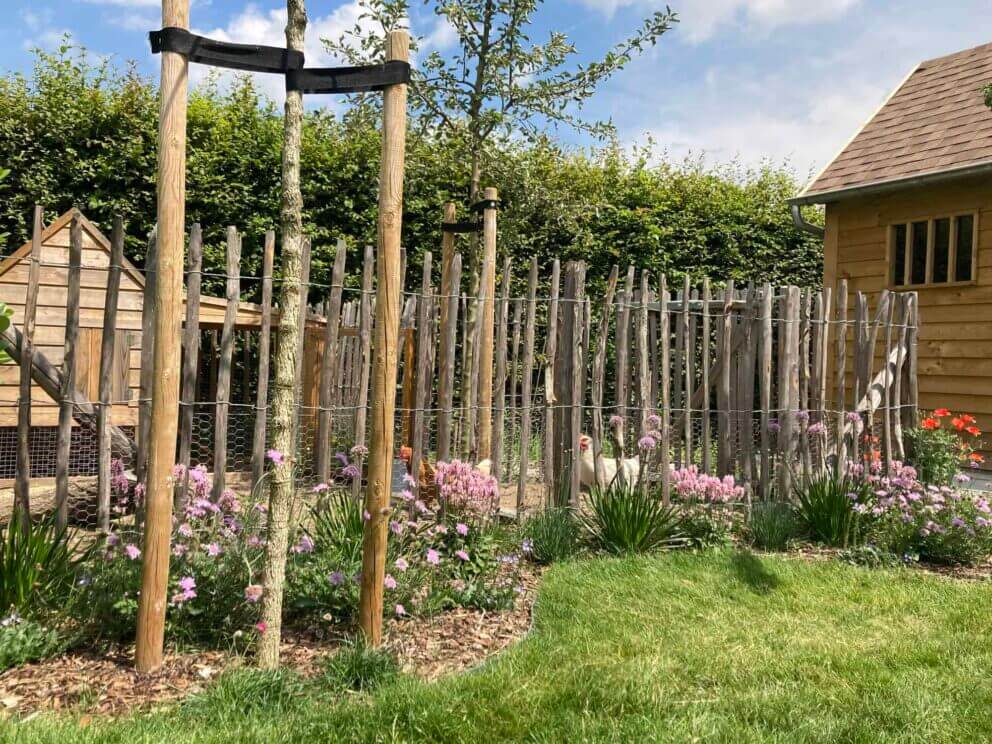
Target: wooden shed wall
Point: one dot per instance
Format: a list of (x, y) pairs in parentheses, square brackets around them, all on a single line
[(955, 337)]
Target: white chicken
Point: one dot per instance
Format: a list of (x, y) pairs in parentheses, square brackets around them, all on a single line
[(587, 467)]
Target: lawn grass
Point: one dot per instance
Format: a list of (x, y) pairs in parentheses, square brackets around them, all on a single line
[(722, 646)]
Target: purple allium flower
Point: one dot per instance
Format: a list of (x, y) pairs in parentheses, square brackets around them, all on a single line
[(401, 564), (616, 420), (359, 450), (802, 416), (654, 420), (396, 527), (342, 458), (646, 443), (214, 550), (433, 557), (253, 592), (389, 582), (774, 426), (132, 551), (336, 578), (351, 472), (853, 417), (112, 539), (276, 457), (816, 428), (462, 554), (320, 488), (187, 583), (461, 528)]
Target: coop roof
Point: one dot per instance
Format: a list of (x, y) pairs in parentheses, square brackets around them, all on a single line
[(934, 126), (211, 308)]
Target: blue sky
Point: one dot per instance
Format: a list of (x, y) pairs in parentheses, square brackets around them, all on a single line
[(736, 79)]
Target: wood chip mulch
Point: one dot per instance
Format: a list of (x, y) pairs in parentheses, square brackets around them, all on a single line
[(105, 683)]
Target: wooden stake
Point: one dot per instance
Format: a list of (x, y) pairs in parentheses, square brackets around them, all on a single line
[(424, 370), (22, 485), (68, 372), (264, 341), (599, 377), (364, 362), (446, 382), (146, 374), (330, 356), (191, 358), (525, 385), (765, 389), (499, 392), (550, 354), (486, 348), (221, 417), (664, 351), (704, 373), (841, 372), (387, 311), (167, 308), (108, 345)]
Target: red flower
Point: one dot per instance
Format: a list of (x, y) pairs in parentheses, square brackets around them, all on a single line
[(941, 412), (975, 457), (958, 424), (968, 418), (931, 423), (974, 431)]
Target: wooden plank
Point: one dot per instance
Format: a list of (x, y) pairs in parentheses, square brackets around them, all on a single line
[(446, 380), (704, 372), (425, 370), (802, 409), (221, 418), (22, 486), (899, 452), (749, 326), (301, 335), (664, 352), (578, 379), (788, 383), (550, 355), (499, 386), (264, 341), (765, 346), (526, 398), (191, 358), (724, 451), (623, 362), (328, 360), (68, 374), (599, 376), (688, 352), (887, 394), (643, 359), (107, 349), (913, 403), (840, 401), (364, 364), (147, 357), (487, 326)]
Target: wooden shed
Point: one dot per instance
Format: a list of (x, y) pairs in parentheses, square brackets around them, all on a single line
[(908, 206), (51, 315)]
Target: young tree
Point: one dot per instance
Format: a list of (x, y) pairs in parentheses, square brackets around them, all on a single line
[(287, 346)]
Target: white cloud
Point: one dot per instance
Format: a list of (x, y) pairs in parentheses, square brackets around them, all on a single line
[(44, 34), (127, 3), (701, 19)]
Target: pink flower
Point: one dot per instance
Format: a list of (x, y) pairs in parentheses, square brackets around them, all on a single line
[(359, 450), (187, 582), (112, 540), (351, 472), (253, 592), (401, 564), (336, 578), (647, 443), (461, 528), (616, 420), (407, 495), (396, 528), (366, 516), (389, 582), (400, 610), (433, 557), (305, 545), (409, 479), (462, 554), (132, 551), (260, 627), (320, 488), (277, 457), (214, 550)]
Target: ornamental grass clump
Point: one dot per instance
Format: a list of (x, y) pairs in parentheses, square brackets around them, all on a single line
[(552, 535), (771, 525), (830, 508), (626, 518)]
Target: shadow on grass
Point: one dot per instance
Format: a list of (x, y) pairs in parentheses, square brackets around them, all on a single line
[(749, 570)]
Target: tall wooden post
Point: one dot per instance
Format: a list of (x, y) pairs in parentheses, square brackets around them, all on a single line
[(387, 310), (22, 487), (486, 342), (107, 349), (167, 307)]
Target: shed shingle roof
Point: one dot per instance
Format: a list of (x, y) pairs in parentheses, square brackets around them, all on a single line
[(934, 123)]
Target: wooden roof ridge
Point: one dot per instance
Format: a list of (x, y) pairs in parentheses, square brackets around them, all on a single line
[(921, 119)]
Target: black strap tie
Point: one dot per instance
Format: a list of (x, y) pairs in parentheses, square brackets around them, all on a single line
[(460, 228), (483, 205), (248, 57), (361, 79)]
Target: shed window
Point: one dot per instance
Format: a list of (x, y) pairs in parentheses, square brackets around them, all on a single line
[(938, 250)]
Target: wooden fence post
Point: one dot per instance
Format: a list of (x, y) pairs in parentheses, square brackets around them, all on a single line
[(146, 374), (623, 362), (68, 373), (104, 411), (550, 355), (446, 362), (425, 370), (301, 335), (765, 389), (329, 359), (22, 486), (488, 314), (841, 375), (264, 342), (578, 371), (705, 378), (499, 389), (387, 309), (725, 455), (191, 357), (364, 360), (664, 351), (167, 306), (221, 418), (599, 377), (525, 386)]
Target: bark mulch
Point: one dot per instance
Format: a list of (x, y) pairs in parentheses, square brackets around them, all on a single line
[(105, 683)]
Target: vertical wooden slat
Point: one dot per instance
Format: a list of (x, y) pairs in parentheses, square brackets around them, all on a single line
[(898, 448), (425, 370), (301, 335), (725, 453), (688, 353), (664, 352), (765, 388), (68, 372), (147, 357), (623, 362), (788, 389), (749, 328), (446, 363), (526, 378), (22, 485), (550, 354), (191, 357), (106, 386), (860, 344), (364, 364), (913, 404), (264, 342), (678, 377), (499, 386), (599, 377), (329, 359), (222, 416), (578, 372), (705, 376), (841, 373), (488, 317), (643, 359), (802, 408), (887, 392), (514, 364)]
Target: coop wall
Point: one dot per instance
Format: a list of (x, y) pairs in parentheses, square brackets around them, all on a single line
[(955, 336)]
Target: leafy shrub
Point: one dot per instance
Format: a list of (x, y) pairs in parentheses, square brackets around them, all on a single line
[(624, 518), (829, 508), (551, 536), (704, 526), (24, 640), (938, 450), (869, 556), (38, 564), (771, 525), (358, 666)]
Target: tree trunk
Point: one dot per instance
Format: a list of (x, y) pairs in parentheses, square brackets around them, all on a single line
[(287, 349)]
